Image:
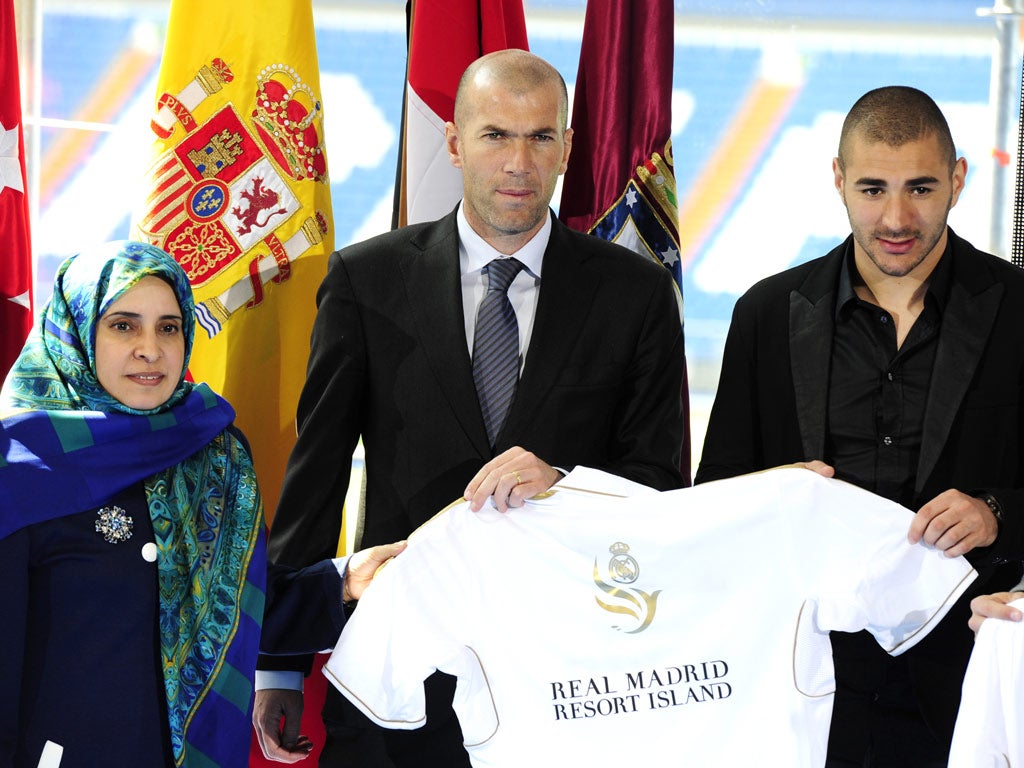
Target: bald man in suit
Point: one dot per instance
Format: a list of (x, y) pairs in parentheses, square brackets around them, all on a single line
[(600, 372)]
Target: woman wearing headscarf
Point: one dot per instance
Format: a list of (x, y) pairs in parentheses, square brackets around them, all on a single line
[(131, 534)]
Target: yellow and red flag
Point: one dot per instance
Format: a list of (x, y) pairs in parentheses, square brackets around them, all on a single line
[(15, 242), (445, 37), (620, 183), (238, 193)]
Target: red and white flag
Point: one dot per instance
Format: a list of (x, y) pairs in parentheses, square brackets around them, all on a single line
[(15, 243), (445, 37)]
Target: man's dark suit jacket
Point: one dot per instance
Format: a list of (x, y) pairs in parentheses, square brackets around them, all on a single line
[(771, 409), (389, 362)]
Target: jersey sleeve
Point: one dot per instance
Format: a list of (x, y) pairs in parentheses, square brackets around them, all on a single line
[(413, 620), (988, 729), (880, 582)]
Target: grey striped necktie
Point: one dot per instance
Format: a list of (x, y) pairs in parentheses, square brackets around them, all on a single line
[(496, 346)]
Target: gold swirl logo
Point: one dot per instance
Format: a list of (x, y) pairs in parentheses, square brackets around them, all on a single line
[(638, 605)]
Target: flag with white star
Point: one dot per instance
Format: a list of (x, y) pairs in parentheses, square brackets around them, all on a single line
[(15, 243), (620, 183)]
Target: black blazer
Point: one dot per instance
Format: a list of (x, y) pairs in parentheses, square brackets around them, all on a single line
[(771, 409), (389, 362), (771, 406)]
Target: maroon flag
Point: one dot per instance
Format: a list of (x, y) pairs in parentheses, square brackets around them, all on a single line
[(15, 244), (620, 184)]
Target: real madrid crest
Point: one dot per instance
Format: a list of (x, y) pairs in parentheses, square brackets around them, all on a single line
[(623, 568), (636, 604)]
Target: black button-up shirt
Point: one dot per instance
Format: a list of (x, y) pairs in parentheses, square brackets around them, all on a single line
[(877, 392)]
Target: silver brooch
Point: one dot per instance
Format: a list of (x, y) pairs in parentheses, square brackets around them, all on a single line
[(115, 524)]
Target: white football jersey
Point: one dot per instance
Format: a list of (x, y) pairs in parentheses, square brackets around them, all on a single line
[(990, 726), (683, 628)]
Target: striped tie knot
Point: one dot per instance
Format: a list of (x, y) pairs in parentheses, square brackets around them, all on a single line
[(501, 273)]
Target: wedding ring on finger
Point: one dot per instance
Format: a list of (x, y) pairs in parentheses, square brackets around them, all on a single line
[(519, 479)]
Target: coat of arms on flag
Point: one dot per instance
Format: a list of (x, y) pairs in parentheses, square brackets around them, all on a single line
[(643, 218), (223, 197)]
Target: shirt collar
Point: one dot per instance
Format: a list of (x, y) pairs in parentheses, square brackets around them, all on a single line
[(938, 282), (476, 252)]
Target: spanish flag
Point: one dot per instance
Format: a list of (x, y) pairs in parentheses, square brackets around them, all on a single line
[(238, 193), (15, 243)]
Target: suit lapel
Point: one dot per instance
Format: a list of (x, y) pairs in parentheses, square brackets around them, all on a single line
[(430, 272), (566, 294), (810, 351), (811, 327), (966, 324)]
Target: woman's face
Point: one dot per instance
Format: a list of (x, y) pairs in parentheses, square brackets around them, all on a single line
[(140, 349)]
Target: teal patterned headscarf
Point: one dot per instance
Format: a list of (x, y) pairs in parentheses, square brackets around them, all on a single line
[(67, 446), (57, 368)]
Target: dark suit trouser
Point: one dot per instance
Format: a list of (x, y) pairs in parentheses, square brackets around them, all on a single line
[(353, 741), (876, 720)]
